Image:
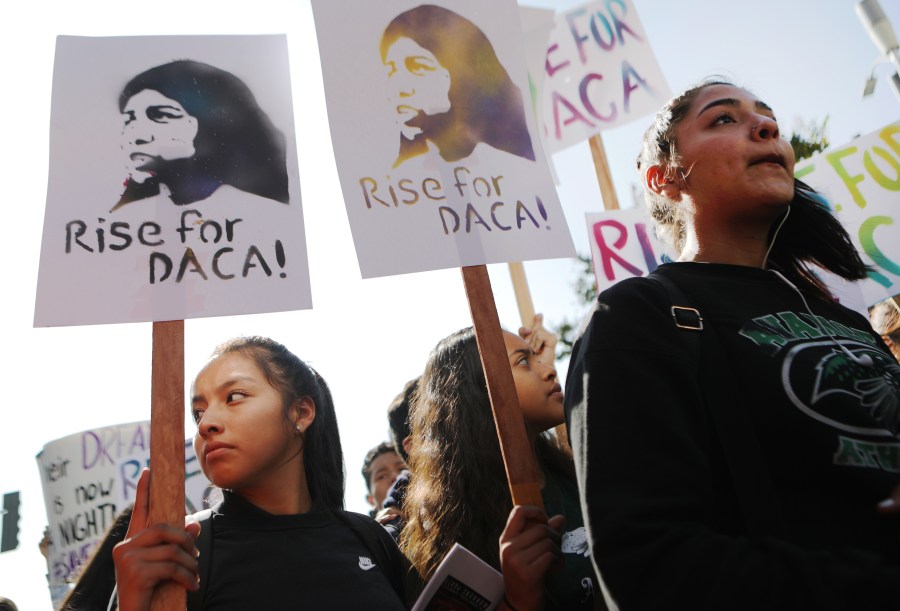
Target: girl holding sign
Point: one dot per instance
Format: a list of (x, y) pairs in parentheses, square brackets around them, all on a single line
[(267, 435), (735, 429), (458, 490)]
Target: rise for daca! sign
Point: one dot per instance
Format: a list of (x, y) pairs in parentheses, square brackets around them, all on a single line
[(600, 72), (173, 190), (435, 141)]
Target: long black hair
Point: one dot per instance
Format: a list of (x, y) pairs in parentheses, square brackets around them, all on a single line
[(323, 457), (236, 142)]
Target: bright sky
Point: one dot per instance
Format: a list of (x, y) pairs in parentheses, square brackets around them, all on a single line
[(367, 338)]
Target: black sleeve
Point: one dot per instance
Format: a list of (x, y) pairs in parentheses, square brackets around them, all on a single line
[(647, 468)]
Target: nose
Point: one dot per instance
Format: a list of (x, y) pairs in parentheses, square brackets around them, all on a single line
[(403, 83), (210, 423), (548, 372), (765, 129), (137, 133)]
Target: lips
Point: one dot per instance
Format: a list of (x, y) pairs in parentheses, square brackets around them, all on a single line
[(556, 389), (773, 158), (215, 449)]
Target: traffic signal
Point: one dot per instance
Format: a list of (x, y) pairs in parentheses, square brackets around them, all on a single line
[(9, 528)]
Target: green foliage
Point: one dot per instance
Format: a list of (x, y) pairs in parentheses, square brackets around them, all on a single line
[(809, 138), (586, 290)]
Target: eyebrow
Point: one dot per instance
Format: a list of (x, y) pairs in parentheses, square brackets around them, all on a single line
[(223, 386), (759, 104), (523, 351)]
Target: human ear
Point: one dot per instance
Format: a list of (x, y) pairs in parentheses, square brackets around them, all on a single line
[(304, 413), (659, 180)]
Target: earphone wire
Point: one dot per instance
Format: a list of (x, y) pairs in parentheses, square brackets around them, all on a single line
[(774, 237), (865, 360)]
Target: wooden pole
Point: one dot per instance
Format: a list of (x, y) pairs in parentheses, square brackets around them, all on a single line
[(167, 444), (518, 457), (523, 295), (604, 177)]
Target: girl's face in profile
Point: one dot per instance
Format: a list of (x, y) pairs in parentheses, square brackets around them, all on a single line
[(417, 83), (156, 129), (243, 440), (540, 395)]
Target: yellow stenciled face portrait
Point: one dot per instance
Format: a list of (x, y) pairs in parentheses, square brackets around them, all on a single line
[(417, 83)]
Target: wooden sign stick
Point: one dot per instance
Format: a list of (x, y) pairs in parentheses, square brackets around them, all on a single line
[(523, 295), (167, 443), (518, 458), (604, 177)]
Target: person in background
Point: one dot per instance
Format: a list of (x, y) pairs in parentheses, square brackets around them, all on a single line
[(392, 516), (885, 319), (380, 468), (735, 429), (458, 491)]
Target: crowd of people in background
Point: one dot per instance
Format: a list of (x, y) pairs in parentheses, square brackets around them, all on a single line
[(711, 466)]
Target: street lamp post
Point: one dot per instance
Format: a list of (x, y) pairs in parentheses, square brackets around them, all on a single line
[(882, 34)]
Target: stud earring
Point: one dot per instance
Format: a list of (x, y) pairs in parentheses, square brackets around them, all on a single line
[(299, 428)]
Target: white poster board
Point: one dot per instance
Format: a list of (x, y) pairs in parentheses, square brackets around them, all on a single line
[(600, 73), (174, 189), (624, 245), (436, 147), (91, 476), (861, 180)]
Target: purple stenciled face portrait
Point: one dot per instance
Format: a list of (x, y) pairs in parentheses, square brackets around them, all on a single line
[(156, 128), (417, 83)]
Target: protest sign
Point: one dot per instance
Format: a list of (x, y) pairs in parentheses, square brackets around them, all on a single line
[(600, 73), (91, 476), (173, 189), (434, 138), (624, 245), (861, 181)]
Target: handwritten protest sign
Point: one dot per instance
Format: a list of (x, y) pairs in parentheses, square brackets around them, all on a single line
[(624, 245), (173, 189), (91, 476), (600, 73), (862, 181), (433, 136)]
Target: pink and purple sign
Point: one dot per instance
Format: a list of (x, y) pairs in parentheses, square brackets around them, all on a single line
[(600, 72)]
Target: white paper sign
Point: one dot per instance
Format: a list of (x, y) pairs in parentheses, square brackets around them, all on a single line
[(91, 476), (433, 136), (600, 73), (173, 190), (624, 245), (861, 180)]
